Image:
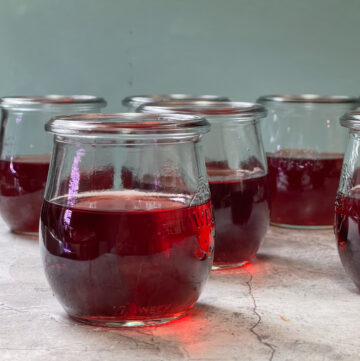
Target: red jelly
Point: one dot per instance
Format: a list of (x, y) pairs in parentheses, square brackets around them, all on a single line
[(303, 187), (22, 184), (242, 218), (347, 231), (126, 255)]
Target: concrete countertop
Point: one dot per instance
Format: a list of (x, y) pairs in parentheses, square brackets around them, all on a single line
[(293, 303)]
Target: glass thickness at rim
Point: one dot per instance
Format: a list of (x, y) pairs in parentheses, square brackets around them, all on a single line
[(308, 98), (52, 102), (50, 99), (206, 108), (127, 124), (351, 120), (137, 100)]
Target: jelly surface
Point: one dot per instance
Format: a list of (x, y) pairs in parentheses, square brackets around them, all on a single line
[(347, 231), (126, 255), (242, 217), (22, 185), (241, 205), (303, 187)]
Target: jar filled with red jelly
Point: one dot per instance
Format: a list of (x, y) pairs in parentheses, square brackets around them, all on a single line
[(127, 226), (305, 146), (132, 102), (25, 151), (237, 172), (347, 205)]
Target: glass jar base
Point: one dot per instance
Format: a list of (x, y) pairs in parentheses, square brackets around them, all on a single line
[(226, 266), (26, 234), (114, 322), (296, 226)]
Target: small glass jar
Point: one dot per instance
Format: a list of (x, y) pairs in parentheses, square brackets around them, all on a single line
[(127, 230), (347, 205), (25, 151), (134, 101), (237, 172), (305, 147)]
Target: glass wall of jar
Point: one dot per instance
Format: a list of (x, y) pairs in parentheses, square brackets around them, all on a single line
[(237, 170), (347, 206), (305, 146), (25, 151), (127, 230), (132, 102)]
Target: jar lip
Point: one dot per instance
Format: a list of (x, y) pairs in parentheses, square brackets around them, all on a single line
[(9, 101), (137, 100), (351, 120), (308, 98), (207, 109), (127, 124)]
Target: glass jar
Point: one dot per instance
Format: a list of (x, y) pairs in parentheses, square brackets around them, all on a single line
[(25, 151), (237, 172), (305, 147), (134, 101), (347, 205), (127, 227)]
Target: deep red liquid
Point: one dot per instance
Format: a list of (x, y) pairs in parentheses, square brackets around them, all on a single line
[(126, 255), (242, 218), (303, 189), (22, 185), (347, 231)]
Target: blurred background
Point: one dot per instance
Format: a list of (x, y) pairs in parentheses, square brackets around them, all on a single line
[(239, 48)]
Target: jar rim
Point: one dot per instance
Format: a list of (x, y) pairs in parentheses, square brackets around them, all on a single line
[(127, 124), (56, 99), (137, 100), (207, 109), (351, 120), (308, 98)]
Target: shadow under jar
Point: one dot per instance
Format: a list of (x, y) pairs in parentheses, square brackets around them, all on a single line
[(132, 102), (305, 147), (25, 151), (237, 172), (347, 206), (127, 230)]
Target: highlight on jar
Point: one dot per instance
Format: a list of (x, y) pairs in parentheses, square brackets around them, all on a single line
[(127, 227), (347, 206), (25, 151), (132, 102), (237, 172), (305, 146)]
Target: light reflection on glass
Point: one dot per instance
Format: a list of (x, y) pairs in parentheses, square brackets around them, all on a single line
[(12, 170), (73, 184), (19, 118)]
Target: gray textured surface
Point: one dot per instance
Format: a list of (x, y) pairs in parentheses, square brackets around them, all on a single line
[(293, 303)]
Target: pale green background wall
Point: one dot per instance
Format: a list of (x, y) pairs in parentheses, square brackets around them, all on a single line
[(239, 48)]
